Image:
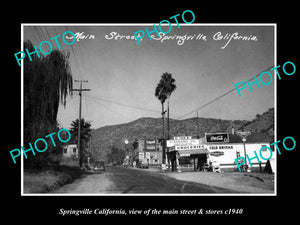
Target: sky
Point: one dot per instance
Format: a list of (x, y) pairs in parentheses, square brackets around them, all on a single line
[(122, 75)]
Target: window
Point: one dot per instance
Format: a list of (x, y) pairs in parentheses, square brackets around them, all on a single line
[(65, 150), (74, 150)]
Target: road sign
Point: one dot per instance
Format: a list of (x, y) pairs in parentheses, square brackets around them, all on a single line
[(243, 133)]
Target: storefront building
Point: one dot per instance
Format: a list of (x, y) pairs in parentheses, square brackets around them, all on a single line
[(215, 152), (226, 153), (149, 151)]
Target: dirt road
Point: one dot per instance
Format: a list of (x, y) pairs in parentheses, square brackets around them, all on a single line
[(119, 180)]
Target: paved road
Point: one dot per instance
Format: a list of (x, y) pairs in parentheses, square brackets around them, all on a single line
[(119, 180)]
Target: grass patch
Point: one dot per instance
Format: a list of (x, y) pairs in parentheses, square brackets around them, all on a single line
[(49, 178)]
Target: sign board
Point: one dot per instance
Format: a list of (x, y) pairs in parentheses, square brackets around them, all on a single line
[(182, 137), (243, 133), (181, 142), (216, 153), (141, 155), (188, 147), (216, 137), (170, 143), (150, 142), (186, 142), (147, 155), (150, 145)]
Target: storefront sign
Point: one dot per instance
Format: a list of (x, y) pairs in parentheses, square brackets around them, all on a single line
[(220, 147), (147, 155), (187, 147), (182, 142), (150, 144), (216, 137), (141, 155), (183, 138)]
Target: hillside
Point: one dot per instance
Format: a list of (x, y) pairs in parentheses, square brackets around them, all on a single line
[(262, 129)]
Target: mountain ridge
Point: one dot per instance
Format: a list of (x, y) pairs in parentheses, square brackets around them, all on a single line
[(103, 138)]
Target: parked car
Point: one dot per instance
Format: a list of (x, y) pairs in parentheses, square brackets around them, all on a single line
[(143, 164), (99, 166)]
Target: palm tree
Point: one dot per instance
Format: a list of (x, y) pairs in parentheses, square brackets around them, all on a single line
[(47, 82), (163, 91)]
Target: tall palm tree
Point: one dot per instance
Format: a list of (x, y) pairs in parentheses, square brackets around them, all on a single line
[(163, 91)]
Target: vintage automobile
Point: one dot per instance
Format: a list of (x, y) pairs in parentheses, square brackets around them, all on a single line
[(142, 164), (99, 166)]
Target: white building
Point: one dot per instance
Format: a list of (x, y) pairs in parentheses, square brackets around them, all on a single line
[(70, 151), (226, 153)]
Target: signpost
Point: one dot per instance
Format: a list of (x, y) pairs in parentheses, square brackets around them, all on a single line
[(243, 134)]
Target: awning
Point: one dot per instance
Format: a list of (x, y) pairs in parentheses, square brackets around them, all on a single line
[(189, 152)]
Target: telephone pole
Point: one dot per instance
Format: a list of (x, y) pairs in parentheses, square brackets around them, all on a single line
[(79, 122), (198, 129)]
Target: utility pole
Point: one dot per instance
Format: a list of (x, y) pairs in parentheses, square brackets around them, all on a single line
[(168, 122), (164, 136), (89, 146), (198, 129), (79, 122), (243, 134)]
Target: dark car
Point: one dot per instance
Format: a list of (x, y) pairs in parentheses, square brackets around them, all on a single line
[(142, 164), (99, 165)]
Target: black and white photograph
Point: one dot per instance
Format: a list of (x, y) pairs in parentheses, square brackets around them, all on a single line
[(175, 109), (141, 113)]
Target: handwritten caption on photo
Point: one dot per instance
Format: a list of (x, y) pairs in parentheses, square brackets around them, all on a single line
[(139, 36)]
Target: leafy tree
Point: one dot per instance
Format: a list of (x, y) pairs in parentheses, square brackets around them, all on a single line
[(47, 82), (85, 134), (115, 155), (163, 91)]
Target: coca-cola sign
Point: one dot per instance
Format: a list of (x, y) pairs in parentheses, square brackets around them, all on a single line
[(216, 137)]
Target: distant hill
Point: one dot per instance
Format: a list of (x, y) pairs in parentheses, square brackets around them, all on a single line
[(262, 129)]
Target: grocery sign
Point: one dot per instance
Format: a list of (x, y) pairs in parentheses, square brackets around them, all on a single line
[(188, 147), (182, 142), (216, 137)]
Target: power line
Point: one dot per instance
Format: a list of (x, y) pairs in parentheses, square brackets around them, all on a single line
[(221, 96), (104, 106), (122, 104)]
